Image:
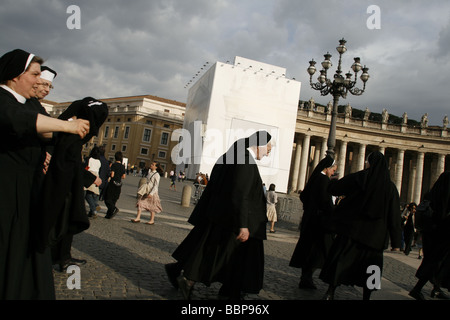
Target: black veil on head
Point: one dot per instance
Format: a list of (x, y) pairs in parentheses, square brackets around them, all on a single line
[(326, 162), (14, 63), (376, 186), (236, 153), (439, 196)]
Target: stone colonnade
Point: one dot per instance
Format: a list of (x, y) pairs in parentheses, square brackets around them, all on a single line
[(415, 158)]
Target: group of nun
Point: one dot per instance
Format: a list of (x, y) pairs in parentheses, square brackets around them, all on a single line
[(342, 238), (347, 224), (41, 202)]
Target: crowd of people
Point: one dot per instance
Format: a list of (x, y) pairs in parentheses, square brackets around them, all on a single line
[(44, 205)]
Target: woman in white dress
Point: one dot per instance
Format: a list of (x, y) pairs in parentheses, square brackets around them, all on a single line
[(272, 199), (150, 200)]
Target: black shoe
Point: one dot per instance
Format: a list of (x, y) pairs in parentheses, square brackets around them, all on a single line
[(416, 294), (78, 262), (185, 287), (437, 293), (116, 211), (71, 262), (172, 274), (306, 283)]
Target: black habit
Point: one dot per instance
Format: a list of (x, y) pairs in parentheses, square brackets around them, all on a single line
[(233, 199), (62, 206), (364, 220), (24, 274), (435, 266), (315, 240)]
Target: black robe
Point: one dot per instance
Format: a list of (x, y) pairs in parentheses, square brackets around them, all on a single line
[(435, 265), (233, 199), (62, 204), (364, 221), (24, 274), (315, 240)]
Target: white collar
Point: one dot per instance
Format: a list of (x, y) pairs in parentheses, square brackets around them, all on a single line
[(18, 97)]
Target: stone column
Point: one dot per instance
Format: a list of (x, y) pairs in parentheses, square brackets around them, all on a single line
[(342, 159), (399, 170), (323, 151), (304, 162), (296, 168), (419, 177), (361, 157), (317, 157), (440, 165)]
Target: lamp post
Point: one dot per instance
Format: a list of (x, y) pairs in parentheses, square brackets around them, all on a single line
[(338, 87)]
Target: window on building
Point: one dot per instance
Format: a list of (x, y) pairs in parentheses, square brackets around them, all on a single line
[(116, 132), (106, 132), (113, 147), (144, 151), (167, 126), (126, 133), (147, 134), (124, 148), (161, 154), (149, 122), (165, 138)]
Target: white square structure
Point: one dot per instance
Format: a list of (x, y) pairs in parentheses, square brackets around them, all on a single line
[(232, 101)]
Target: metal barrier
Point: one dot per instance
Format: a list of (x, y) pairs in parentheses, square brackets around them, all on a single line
[(198, 192)]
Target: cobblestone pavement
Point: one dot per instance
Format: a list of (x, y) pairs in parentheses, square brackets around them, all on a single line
[(125, 261)]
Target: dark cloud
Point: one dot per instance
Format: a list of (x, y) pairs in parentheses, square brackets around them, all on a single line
[(156, 47)]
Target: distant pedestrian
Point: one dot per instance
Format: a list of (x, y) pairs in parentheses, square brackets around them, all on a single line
[(272, 200), (92, 192), (150, 200), (105, 171), (114, 187), (408, 225), (173, 179)]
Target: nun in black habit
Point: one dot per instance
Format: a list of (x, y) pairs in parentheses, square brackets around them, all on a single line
[(364, 220), (226, 243), (315, 239), (435, 266), (24, 273)]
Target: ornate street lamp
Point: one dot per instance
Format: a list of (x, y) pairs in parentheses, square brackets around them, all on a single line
[(338, 87)]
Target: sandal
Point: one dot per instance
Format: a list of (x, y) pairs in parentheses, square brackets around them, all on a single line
[(135, 221), (149, 223)]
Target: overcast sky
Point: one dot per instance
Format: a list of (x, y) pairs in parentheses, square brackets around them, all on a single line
[(156, 47)]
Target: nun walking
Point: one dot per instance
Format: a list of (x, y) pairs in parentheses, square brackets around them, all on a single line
[(226, 243), (315, 239), (364, 220), (24, 273), (435, 266)]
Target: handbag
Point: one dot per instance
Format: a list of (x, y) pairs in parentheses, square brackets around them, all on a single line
[(145, 189)]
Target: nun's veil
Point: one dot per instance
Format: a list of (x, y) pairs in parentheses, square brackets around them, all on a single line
[(236, 153), (376, 187), (439, 196), (326, 162)]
